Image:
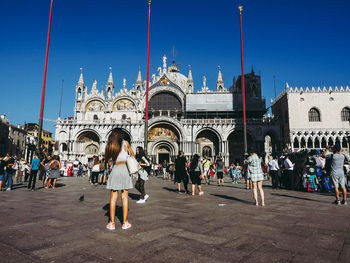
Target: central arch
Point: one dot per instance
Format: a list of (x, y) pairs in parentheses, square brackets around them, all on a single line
[(164, 150), (164, 141), (208, 142)]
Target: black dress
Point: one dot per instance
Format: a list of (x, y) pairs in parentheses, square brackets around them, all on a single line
[(180, 169)]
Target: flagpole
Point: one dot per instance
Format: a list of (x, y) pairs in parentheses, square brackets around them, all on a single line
[(240, 8), (44, 82), (147, 79)]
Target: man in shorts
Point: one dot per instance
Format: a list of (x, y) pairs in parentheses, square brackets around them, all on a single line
[(337, 172)]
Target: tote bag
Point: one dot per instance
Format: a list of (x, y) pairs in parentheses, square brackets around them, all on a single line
[(131, 163)]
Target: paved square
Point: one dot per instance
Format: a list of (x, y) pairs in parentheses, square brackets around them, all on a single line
[(221, 226)]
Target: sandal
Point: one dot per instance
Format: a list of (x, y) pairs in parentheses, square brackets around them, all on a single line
[(111, 226), (201, 193), (126, 225)]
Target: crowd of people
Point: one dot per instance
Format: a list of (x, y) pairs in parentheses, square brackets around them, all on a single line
[(46, 168), (311, 171)]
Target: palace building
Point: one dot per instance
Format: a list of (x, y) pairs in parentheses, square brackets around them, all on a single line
[(208, 122), (312, 118)]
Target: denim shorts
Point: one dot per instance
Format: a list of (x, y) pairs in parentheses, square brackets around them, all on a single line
[(2, 177)]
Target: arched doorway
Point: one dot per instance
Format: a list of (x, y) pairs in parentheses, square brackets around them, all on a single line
[(164, 141), (208, 142), (88, 143), (236, 145)]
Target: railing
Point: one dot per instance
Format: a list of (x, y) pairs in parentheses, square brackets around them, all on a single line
[(98, 122), (262, 121)]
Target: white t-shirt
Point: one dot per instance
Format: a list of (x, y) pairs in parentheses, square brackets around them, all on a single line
[(96, 168)]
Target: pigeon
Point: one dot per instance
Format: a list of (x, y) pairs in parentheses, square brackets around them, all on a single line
[(81, 198)]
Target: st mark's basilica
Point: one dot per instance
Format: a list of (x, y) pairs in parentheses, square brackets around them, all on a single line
[(208, 122)]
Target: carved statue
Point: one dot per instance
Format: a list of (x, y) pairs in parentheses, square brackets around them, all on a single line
[(124, 82), (164, 61), (204, 81)]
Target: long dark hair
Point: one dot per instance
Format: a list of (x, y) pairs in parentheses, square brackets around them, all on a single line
[(194, 162), (114, 146), (141, 154)]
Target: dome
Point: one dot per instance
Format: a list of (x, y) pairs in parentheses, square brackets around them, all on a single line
[(179, 79)]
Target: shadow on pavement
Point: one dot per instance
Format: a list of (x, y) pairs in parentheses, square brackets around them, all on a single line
[(134, 196), (296, 197), (170, 189), (118, 212), (232, 198)]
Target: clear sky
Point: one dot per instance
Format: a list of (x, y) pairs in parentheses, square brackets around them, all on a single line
[(302, 42)]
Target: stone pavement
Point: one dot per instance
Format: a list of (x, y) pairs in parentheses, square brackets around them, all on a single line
[(224, 225)]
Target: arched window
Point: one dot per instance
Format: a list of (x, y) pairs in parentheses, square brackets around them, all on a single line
[(309, 143), (317, 143), (345, 114), (314, 115), (296, 143)]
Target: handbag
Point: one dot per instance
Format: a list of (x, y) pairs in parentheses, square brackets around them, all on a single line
[(131, 162)]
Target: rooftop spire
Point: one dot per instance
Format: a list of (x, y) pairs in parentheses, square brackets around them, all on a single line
[(139, 77), (110, 78), (189, 74), (81, 79), (220, 79)]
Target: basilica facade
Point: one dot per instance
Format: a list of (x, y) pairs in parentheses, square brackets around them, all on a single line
[(207, 122)]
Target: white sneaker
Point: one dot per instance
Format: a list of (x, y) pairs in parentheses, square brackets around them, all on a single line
[(141, 201), (146, 197)]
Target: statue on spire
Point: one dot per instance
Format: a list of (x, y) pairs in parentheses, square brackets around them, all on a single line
[(164, 63)]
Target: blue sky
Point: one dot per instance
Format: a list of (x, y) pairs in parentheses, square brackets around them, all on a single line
[(304, 43)]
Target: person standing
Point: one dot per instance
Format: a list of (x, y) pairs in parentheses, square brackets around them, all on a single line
[(142, 174), (2, 172), (196, 174), (95, 170), (164, 167), (55, 166), (34, 167), (273, 171), (257, 176), (10, 162), (220, 171), (247, 178), (337, 160), (206, 166), (76, 165), (102, 172), (289, 177), (180, 172), (117, 150)]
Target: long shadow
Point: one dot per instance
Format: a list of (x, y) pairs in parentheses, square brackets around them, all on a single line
[(170, 189), (296, 197), (232, 198), (118, 212), (134, 196)]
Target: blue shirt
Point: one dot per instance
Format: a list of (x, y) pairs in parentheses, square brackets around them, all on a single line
[(35, 164)]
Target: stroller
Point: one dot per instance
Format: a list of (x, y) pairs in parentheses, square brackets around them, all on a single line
[(310, 180)]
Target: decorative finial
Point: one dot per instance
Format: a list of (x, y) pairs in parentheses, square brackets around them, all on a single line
[(219, 67), (81, 70), (189, 66), (110, 69), (240, 8), (149, 2)]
